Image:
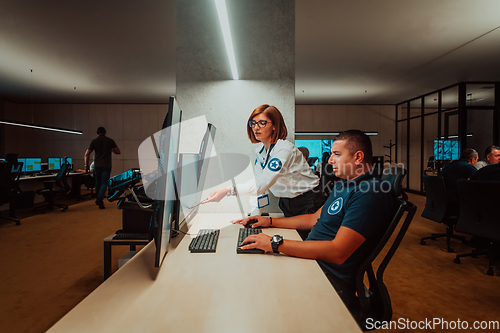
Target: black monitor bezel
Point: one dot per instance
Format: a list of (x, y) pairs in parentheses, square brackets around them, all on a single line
[(163, 226)]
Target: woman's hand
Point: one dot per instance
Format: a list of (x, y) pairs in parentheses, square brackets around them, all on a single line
[(259, 241), (256, 221), (216, 195)]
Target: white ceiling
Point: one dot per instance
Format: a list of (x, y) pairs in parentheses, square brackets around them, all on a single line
[(347, 52)]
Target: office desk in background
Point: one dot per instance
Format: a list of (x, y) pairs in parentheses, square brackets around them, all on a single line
[(213, 292), (33, 183)]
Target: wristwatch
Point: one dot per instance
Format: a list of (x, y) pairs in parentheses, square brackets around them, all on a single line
[(276, 241)]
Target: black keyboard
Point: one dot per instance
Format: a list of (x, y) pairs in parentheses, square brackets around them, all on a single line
[(244, 233), (131, 235), (205, 241)]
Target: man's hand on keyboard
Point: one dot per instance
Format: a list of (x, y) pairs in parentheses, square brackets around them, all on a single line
[(260, 241), (255, 221)]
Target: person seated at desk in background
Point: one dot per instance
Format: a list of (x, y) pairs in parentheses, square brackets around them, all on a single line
[(304, 152), (103, 147), (463, 168), (491, 156), (347, 227), (91, 170), (279, 167)]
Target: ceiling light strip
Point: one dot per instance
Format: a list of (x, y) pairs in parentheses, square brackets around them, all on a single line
[(42, 127), (226, 32)]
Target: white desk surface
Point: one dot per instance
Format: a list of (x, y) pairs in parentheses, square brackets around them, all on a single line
[(213, 292), (49, 175)]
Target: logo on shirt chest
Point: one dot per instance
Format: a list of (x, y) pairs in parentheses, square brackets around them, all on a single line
[(275, 164), (335, 207)]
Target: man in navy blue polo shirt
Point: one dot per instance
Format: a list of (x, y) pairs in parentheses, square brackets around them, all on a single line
[(346, 227)]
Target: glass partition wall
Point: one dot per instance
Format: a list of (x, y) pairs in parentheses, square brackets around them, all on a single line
[(432, 130)]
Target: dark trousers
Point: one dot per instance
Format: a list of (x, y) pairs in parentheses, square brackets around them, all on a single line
[(306, 203), (347, 293), (101, 176)]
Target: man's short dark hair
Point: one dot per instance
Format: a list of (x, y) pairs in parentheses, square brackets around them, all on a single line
[(101, 130), (468, 154), (357, 140), (490, 149)]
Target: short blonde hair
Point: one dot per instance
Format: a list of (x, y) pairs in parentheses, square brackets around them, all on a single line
[(276, 118)]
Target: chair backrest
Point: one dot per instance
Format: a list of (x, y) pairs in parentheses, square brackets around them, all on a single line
[(11, 157), (377, 303), (478, 211), (16, 170), (327, 178), (311, 161), (8, 182), (61, 178), (393, 177), (436, 199), (5, 180)]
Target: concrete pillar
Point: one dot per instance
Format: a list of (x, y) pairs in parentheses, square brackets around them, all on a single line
[(264, 41)]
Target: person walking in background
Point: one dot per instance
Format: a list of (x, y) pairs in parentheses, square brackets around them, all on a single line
[(103, 146)]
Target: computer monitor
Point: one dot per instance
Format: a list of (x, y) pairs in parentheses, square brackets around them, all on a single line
[(19, 160), (68, 160), (446, 150), (33, 164), (54, 163), (317, 149), (193, 174), (165, 205)]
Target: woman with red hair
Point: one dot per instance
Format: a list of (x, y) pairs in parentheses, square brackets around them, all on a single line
[(279, 167)]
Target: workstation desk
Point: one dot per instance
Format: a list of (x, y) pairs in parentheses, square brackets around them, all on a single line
[(33, 183), (213, 292)]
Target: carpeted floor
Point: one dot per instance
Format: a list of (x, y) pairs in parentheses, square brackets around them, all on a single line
[(54, 260)]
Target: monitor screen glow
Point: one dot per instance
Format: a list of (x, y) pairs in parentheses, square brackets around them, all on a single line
[(33, 164), (446, 150), (54, 163), (68, 160)]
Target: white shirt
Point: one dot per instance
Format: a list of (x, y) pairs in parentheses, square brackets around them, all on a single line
[(283, 170), (481, 164)]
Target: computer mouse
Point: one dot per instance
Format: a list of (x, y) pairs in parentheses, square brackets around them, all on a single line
[(250, 224)]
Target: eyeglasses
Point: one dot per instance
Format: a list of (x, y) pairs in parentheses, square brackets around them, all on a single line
[(262, 123)]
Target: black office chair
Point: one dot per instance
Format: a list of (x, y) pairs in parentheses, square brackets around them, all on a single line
[(327, 179), (89, 182), (437, 208), (375, 301), (9, 187), (55, 187), (311, 161), (479, 216)]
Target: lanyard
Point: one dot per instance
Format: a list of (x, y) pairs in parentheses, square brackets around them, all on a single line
[(267, 158)]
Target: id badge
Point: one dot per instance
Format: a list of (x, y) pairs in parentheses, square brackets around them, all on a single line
[(263, 201)]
